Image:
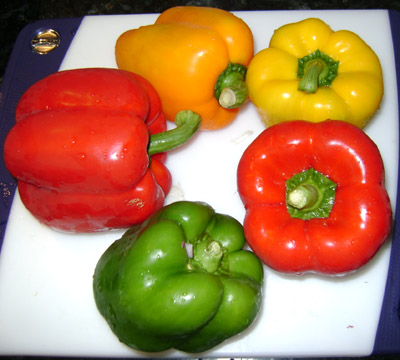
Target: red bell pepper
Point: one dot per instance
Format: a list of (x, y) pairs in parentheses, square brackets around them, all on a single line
[(314, 196), (88, 149)]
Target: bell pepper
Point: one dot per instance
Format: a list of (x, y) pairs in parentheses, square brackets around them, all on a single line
[(314, 196), (196, 59), (180, 280), (88, 149), (310, 72)]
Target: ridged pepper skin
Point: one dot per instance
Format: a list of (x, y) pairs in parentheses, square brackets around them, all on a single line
[(348, 217), (179, 280), (80, 150), (184, 53), (346, 77)]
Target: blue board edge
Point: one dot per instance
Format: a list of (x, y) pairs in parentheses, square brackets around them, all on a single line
[(24, 68), (388, 333)]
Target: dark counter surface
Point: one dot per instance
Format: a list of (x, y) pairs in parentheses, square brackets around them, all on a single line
[(16, 14)]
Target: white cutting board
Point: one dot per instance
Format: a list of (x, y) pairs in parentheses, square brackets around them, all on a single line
[(46, 301)]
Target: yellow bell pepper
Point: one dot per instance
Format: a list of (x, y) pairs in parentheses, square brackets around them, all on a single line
[(196, 58), (310, 72)]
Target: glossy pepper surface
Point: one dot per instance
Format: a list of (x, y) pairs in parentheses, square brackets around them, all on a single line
[(81, 148), (310, 72), (315, 197), (179, 280), (196, 59)]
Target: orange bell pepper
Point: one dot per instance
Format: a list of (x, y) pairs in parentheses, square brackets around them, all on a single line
[(196, 58)]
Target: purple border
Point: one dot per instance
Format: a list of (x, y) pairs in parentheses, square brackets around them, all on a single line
[(24, 68), (388, 334)]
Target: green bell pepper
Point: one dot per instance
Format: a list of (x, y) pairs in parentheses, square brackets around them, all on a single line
[(179, 280)]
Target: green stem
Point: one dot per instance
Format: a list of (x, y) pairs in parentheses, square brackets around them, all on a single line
[(309, 82), (208, 255), (303, 197), (315, 70), (231, 90), (187, 122), (310, 194)]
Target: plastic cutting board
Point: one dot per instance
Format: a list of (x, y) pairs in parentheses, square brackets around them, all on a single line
[(46, 301)]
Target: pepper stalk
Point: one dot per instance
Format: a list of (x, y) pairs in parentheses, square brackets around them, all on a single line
[(208, 255), (231, 89), (315, 70), (187, 121), (310, 194)]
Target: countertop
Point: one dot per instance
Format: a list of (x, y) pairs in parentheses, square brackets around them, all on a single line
[(16, 14)]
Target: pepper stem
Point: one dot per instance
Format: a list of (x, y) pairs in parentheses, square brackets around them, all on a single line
[(231, 90), (187, 121), (303, 197), (316, 69), (310, 194), (208, 255)]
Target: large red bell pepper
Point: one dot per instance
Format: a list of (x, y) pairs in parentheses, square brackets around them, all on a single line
[(88, 149), (315, 197)]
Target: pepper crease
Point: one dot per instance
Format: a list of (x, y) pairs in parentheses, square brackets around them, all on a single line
[(196, 58), (79, 149), (310, 72), (157, 295), (315, 197)]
